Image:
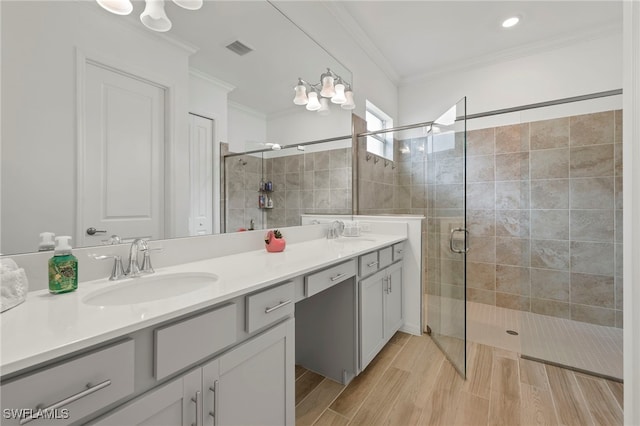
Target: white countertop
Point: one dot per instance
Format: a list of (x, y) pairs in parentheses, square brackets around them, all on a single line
[(49, 326)]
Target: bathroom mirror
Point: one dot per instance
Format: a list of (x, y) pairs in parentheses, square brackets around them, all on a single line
[(67, 168)]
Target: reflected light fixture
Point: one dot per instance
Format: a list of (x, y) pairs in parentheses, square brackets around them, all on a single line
[(316, 96), (154, 16), (510, 22)]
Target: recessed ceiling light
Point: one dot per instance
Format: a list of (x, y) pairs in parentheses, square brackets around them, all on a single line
[(510, 22)]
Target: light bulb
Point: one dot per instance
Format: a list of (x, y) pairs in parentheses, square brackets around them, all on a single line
[(349, 104), (339, 98), (324, 107), (327, 86), (301, 95), (154, 17), (510, 22), (313, 104), (189, 4), (119, 7)]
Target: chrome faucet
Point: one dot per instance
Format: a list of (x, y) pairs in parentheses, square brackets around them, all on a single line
[(133, 269), (335, 229)]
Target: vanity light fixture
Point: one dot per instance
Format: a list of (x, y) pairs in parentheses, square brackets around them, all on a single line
[(316, 96), (154, 16), (510, 22)]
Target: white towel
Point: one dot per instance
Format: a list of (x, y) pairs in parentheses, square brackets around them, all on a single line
[(13, 284)]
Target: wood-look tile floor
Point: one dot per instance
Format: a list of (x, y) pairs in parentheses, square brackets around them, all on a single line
[(411, 383)]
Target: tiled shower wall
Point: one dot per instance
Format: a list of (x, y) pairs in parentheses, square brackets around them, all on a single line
[(544, 209)]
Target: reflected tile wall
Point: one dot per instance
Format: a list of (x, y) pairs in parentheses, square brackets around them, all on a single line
[(544, 209)]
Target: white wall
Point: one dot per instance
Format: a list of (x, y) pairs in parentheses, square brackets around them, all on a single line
[(247, 128), (39, 42), (570, 70), (299, 125)]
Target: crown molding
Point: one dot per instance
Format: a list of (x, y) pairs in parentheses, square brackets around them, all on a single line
[(246, 109), (228, 87), (517, 52), (353, 28)]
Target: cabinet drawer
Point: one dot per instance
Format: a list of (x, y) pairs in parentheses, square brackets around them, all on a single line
[(385, 257), (269, 306), (183, 343), (368, 263), (75, 388), (398, 251), (322, 280)]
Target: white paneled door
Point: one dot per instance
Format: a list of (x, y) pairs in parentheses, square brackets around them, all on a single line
[(201, 175), (121, 172)]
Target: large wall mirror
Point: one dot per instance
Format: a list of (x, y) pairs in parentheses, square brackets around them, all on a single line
[(109, 126)]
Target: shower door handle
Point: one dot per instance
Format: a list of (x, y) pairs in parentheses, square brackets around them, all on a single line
[(455, 250)]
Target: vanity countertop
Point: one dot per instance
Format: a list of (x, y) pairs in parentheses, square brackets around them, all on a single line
[(49, 326)]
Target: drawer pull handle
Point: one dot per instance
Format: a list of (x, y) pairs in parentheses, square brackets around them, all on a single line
[(278, 306), (214, 413), (399, 251), (90, 389), (337, 277), (372, 264), (198, 401)]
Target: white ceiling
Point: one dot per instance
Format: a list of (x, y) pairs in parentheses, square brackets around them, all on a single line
[(412, 38)]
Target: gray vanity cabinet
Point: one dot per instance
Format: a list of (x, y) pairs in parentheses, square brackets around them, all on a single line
[(380, 299)]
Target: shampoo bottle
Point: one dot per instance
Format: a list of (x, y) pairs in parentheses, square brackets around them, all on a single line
[(63, 268)]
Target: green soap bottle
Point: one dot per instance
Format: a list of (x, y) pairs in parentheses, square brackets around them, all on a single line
[(63, 268)]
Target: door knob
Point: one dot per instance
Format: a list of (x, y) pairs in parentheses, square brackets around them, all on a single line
[(94, 231)]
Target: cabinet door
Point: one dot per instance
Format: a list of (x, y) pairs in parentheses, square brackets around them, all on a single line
[(169, 405), (393, 318), (256, 380), (371, 317)]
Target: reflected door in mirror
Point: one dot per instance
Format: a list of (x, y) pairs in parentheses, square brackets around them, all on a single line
[(121, 174)]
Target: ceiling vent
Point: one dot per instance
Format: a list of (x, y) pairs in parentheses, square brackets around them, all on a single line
[(239, 48)]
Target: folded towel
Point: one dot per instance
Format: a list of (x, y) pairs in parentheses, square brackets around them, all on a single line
[(13, 284)]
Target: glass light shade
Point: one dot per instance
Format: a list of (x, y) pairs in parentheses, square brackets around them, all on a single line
[(339, 98), (327, 86), (154, 17), (324, 107), (349, 104), (301, 95), (189, 4), (313, 104), (119, 7)]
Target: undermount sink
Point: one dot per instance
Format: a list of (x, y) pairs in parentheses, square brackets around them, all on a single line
[(150, 288)]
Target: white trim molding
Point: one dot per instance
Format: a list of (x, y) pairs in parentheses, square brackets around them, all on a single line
[(631, 177)]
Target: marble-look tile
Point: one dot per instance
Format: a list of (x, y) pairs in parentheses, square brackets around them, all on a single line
[(451, 271), (513, 279), (619, 319), (513, 195), (481, 296), (512, 138), (292, 181), (481, 142), (402, 179), (550, 194), (512, 251), (322, 160), (401, 197), (549, 133), (418, 197), (591, 161), (481, 275), (550, 163), (480, 168), (338, 178), (448, 196), (593, 315), (481, 249), (513, 301), (619, 224), (550, 254), (512, 223), (340, 199), (308, 163), (618, 126), (592, 193), (592, 129), (417, 173), (307, 180), (617, 159), (619, 252), (548, 284), (338, 158), (551, 308), (481, 196), (450, 170), (292, 217), (618, 193), (592, 225), (550, 224), (306, 201), (512, 166), (321, 179), (293, 163), (619, 292), (594, 290), (592, 258), (481, 222), (322, 198), (292, 199)]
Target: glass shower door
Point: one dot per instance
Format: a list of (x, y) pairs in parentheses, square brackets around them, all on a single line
[(447, 237)]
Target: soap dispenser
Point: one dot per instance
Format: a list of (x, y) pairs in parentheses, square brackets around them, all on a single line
[(46, 241), (63, 268)]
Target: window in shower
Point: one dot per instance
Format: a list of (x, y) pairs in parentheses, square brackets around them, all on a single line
[(381, 144)]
